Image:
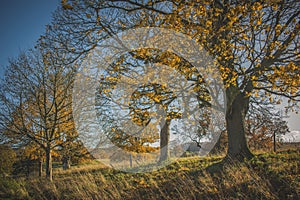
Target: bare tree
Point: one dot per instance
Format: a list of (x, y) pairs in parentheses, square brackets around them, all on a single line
[(264, 126)]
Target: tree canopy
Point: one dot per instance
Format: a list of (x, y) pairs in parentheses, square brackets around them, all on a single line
[(254, 46)]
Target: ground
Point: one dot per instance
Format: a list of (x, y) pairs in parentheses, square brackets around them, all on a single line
[(266, 176)]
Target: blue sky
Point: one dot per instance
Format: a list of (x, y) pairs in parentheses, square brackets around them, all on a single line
[(21, 24), (23, 21)]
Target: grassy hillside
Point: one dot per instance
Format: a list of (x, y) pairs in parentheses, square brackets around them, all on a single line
[(267, 176)]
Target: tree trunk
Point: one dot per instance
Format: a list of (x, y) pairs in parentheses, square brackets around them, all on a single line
[(164, 141), (66, 163), (48, 163), (274, 141), (130, 160), (235, 124), (40, 167)]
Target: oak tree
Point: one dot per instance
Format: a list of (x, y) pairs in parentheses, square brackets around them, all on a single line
[(255, 44)]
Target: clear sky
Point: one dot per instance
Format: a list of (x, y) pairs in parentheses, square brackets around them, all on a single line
[(294, 122), (23, 21), (21, 24)]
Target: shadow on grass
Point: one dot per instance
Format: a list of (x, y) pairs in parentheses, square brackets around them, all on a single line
[(216, 168), (282, 182), (278, 182), (266, 176)]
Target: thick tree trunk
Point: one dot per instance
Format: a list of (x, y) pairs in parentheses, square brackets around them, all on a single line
[(164, 141), (48, 164), (235, 124)]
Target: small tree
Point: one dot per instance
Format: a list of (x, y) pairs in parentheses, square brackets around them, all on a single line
[(151, 101), (264, 125), (36, 101)]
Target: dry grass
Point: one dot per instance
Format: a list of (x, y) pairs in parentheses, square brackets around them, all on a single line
[(267, 176)]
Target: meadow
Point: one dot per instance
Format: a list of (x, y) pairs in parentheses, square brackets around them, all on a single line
[(266, 176)]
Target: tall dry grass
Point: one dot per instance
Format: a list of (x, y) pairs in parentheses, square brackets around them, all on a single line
[(267, 176)]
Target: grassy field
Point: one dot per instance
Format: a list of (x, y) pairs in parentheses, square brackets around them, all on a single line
[(267, 176)]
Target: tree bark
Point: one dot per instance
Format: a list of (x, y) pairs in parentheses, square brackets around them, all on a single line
[(274, 141), (130, 160), (235, 124), (164, 141), (40, 167), (48, 163), (66, 162)]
